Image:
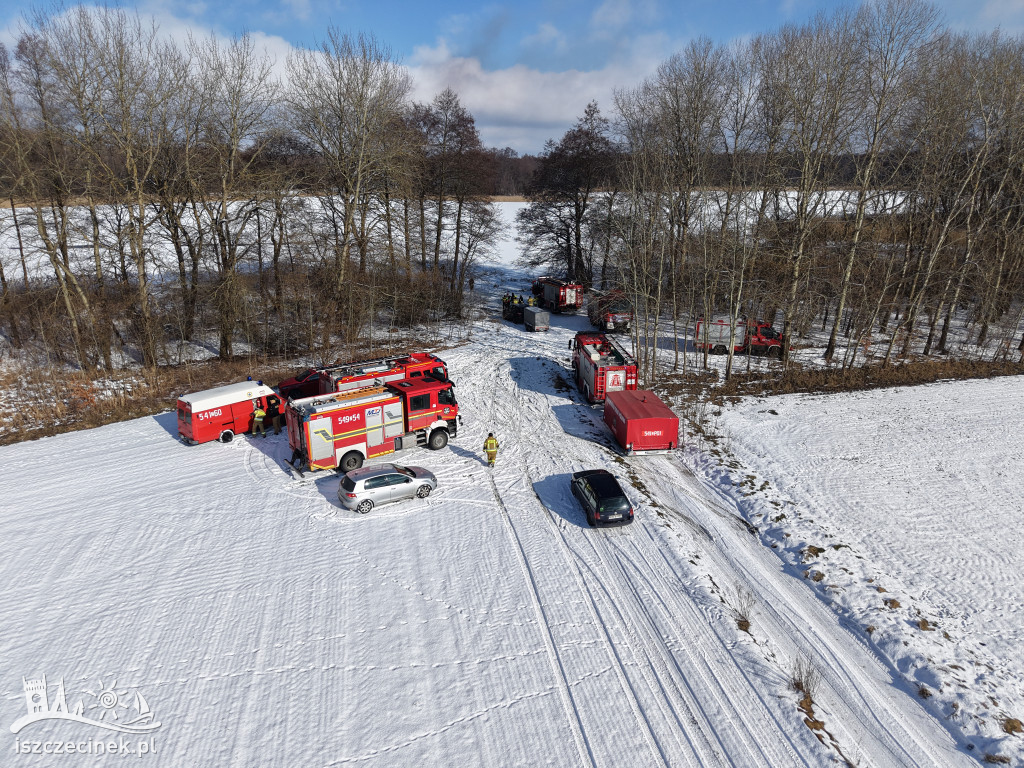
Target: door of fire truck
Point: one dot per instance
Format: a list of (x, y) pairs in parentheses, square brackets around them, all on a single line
[(615, 381), (374, 428), (394, 424), (321, 440)]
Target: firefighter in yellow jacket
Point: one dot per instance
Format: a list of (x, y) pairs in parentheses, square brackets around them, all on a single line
[(491, 448), (258, 414)]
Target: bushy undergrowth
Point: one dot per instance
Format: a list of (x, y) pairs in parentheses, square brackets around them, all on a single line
[(819, 380), (38, 402)]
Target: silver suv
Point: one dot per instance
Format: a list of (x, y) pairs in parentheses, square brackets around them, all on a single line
[(363, 489)]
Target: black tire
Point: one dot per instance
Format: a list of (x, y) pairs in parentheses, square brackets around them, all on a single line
[(423, 491), (719, 350), (586, 392), (590, 520), (438, 439), (351, 460), (774, 353), (364, 506), (227, 436)]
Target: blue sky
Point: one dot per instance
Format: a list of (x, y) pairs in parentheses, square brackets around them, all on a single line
[(526, 69)]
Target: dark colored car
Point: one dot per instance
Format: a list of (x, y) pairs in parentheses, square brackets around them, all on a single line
[(603, 499), (304, 384)]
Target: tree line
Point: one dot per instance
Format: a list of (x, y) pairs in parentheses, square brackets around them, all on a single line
[(182, 190), (861, 171)]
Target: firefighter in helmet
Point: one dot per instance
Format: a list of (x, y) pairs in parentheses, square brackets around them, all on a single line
[(491, 448), (258, 414)]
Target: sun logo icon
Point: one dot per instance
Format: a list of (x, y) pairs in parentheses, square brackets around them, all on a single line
[(108, 700)]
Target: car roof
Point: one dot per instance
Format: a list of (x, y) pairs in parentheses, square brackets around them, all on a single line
[(364, 472), (603, 482)]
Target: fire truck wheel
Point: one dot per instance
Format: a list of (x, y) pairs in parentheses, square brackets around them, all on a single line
[(438, 439), (227, 436), (586, 392), (423, 491), (351, 460), (364, 506), (774, 352), (719, 350)]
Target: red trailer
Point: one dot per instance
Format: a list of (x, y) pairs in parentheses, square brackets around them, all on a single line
[(220, 413), (641, 422)]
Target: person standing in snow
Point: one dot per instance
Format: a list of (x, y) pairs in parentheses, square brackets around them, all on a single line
[(257, 419), (491, 448), (274, 412)]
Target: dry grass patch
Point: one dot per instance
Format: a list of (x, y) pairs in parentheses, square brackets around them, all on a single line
[(891, 603), (996, 760), (1012, 726)]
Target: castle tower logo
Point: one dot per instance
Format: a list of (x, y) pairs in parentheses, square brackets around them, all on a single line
[(124, 710)]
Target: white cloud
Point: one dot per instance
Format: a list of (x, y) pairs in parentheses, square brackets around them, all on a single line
[(548, 36), (520, 106), (611, 16)]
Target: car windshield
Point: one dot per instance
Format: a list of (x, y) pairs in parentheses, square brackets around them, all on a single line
[(405, 471), (620, 504)]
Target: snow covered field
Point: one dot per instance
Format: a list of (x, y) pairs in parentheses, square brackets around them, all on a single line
[(488, 625), (912, 495)]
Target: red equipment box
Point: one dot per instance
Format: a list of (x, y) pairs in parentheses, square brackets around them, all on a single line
[(641, 422)]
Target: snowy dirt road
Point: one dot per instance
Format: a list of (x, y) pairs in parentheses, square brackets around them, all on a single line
[(484, 625)]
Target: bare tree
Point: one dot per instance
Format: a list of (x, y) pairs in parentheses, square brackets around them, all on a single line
[(344, 97)]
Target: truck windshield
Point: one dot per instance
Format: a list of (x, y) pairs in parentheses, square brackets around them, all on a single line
[(446, 397)]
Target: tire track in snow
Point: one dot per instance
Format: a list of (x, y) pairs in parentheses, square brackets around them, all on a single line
[(565, 693), (679, 701), (847, 683), (619, 666)]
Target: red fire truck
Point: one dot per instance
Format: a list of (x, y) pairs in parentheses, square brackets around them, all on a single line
[(348, 376), (609, 311), (220, 413), (754, 337), (601, 366), (342, 429), (558, 295)]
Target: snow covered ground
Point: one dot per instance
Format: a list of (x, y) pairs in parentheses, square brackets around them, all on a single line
[(488, 625), (909, 495)]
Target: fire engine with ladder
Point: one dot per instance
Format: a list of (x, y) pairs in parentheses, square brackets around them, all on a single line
[(340, 430), (601, 366), (342, 378)]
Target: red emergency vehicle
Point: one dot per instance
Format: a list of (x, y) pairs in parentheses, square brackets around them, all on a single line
[(751, 337), (342, 429), (348, 376), (641, 422), (558, 295), (220, 413), (601, 366), (609, 311)]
